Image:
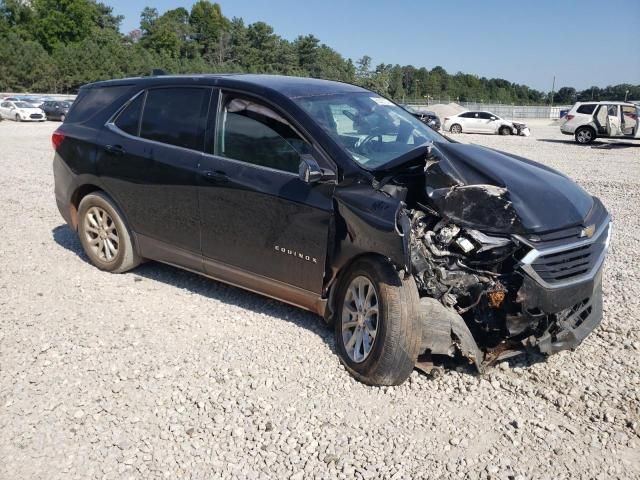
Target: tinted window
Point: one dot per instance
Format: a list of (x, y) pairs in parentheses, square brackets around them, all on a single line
[(588, 109), (176, 116), (91, 101), (129, 120), (468, 115), (485, 115), (254, 133)]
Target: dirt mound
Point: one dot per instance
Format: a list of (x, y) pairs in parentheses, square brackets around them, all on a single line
[(446, 110)]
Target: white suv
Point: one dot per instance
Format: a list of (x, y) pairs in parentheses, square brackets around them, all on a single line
[(588, 120)]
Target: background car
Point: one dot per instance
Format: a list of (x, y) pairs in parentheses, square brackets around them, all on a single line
[(588, 120), (425, 116), (483, 122), (21, 111), (55, 110)]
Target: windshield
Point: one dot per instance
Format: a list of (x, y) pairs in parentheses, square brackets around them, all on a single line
[(65, 104), (371, 129), (23, 105)]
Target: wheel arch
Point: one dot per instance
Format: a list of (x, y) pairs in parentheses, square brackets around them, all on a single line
[(335, 284), (85, 189), (76, 197)]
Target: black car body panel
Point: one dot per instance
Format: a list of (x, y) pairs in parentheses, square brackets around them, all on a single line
[(479, 230), (528, 197)]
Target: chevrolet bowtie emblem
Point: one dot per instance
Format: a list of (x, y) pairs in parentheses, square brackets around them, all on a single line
[(588, 231)]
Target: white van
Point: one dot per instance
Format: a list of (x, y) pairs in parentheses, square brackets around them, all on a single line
[(587, 121)]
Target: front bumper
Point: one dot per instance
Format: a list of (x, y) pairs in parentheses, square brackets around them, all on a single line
[(580, 313)]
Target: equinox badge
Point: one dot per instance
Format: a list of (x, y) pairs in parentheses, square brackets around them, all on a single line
[(293, 253)]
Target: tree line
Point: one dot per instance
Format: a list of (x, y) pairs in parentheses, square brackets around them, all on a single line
[(55, 46)]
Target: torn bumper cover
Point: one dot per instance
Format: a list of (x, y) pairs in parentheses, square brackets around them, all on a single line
[(580, 313), (444, 332)]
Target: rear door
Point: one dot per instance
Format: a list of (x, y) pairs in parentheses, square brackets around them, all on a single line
[(471, 122), (257, 216), (148, 160)]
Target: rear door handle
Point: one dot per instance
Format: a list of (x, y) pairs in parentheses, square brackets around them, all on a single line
[(114, 149)]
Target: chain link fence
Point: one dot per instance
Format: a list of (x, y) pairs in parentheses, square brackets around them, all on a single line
[(499, 109)]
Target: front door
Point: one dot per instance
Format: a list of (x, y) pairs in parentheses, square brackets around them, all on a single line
[(485, 124), (148, 161), (257, 216)]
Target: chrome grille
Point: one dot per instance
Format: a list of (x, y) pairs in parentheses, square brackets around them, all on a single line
[(559, 265), (567, 264)]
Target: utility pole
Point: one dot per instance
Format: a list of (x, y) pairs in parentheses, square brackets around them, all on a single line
[(553, 87)]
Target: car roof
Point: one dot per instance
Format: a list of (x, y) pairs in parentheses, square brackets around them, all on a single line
[(612, 102), (291, 87)]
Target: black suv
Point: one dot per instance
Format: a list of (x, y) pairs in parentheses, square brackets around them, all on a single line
[(55, 110), (332, 198)]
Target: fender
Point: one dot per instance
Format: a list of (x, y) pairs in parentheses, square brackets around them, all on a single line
[(367, 221)]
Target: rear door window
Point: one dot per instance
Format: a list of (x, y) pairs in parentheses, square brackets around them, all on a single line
[(176, 116)]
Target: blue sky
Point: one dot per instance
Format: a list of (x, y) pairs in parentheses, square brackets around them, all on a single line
[(581, 42)]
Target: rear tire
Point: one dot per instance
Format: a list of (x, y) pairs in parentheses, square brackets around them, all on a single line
[(585, 135), (104, 236), (387, 357), (504, 130), (455, 128)]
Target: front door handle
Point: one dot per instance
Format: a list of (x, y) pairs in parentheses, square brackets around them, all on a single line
[(114, 150), (216, 176)]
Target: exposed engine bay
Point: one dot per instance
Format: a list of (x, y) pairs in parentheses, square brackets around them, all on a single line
[(492, 282)]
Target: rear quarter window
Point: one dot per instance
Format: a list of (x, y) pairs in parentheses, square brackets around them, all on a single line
[(91, 101), (587, 109)]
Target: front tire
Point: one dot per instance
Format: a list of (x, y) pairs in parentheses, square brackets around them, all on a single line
[(585, 135), (104, 236), (455, 128), (505, 130), (18, 119), (376, 327)]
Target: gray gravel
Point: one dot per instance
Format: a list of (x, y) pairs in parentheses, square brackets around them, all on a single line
[(160, 373)]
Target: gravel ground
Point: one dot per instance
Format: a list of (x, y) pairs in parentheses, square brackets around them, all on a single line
[(160, 373)]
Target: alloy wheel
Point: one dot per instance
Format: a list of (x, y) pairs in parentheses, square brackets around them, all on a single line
[(101, 234), (584, 136), (360, 311)]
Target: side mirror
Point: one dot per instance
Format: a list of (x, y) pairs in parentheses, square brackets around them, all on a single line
[(493, 118), (309, 171)]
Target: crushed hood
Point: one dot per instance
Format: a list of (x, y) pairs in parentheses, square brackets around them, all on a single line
[(498, 192)]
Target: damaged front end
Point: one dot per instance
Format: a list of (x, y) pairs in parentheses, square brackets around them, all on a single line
[(496, 273), (485, 289)]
